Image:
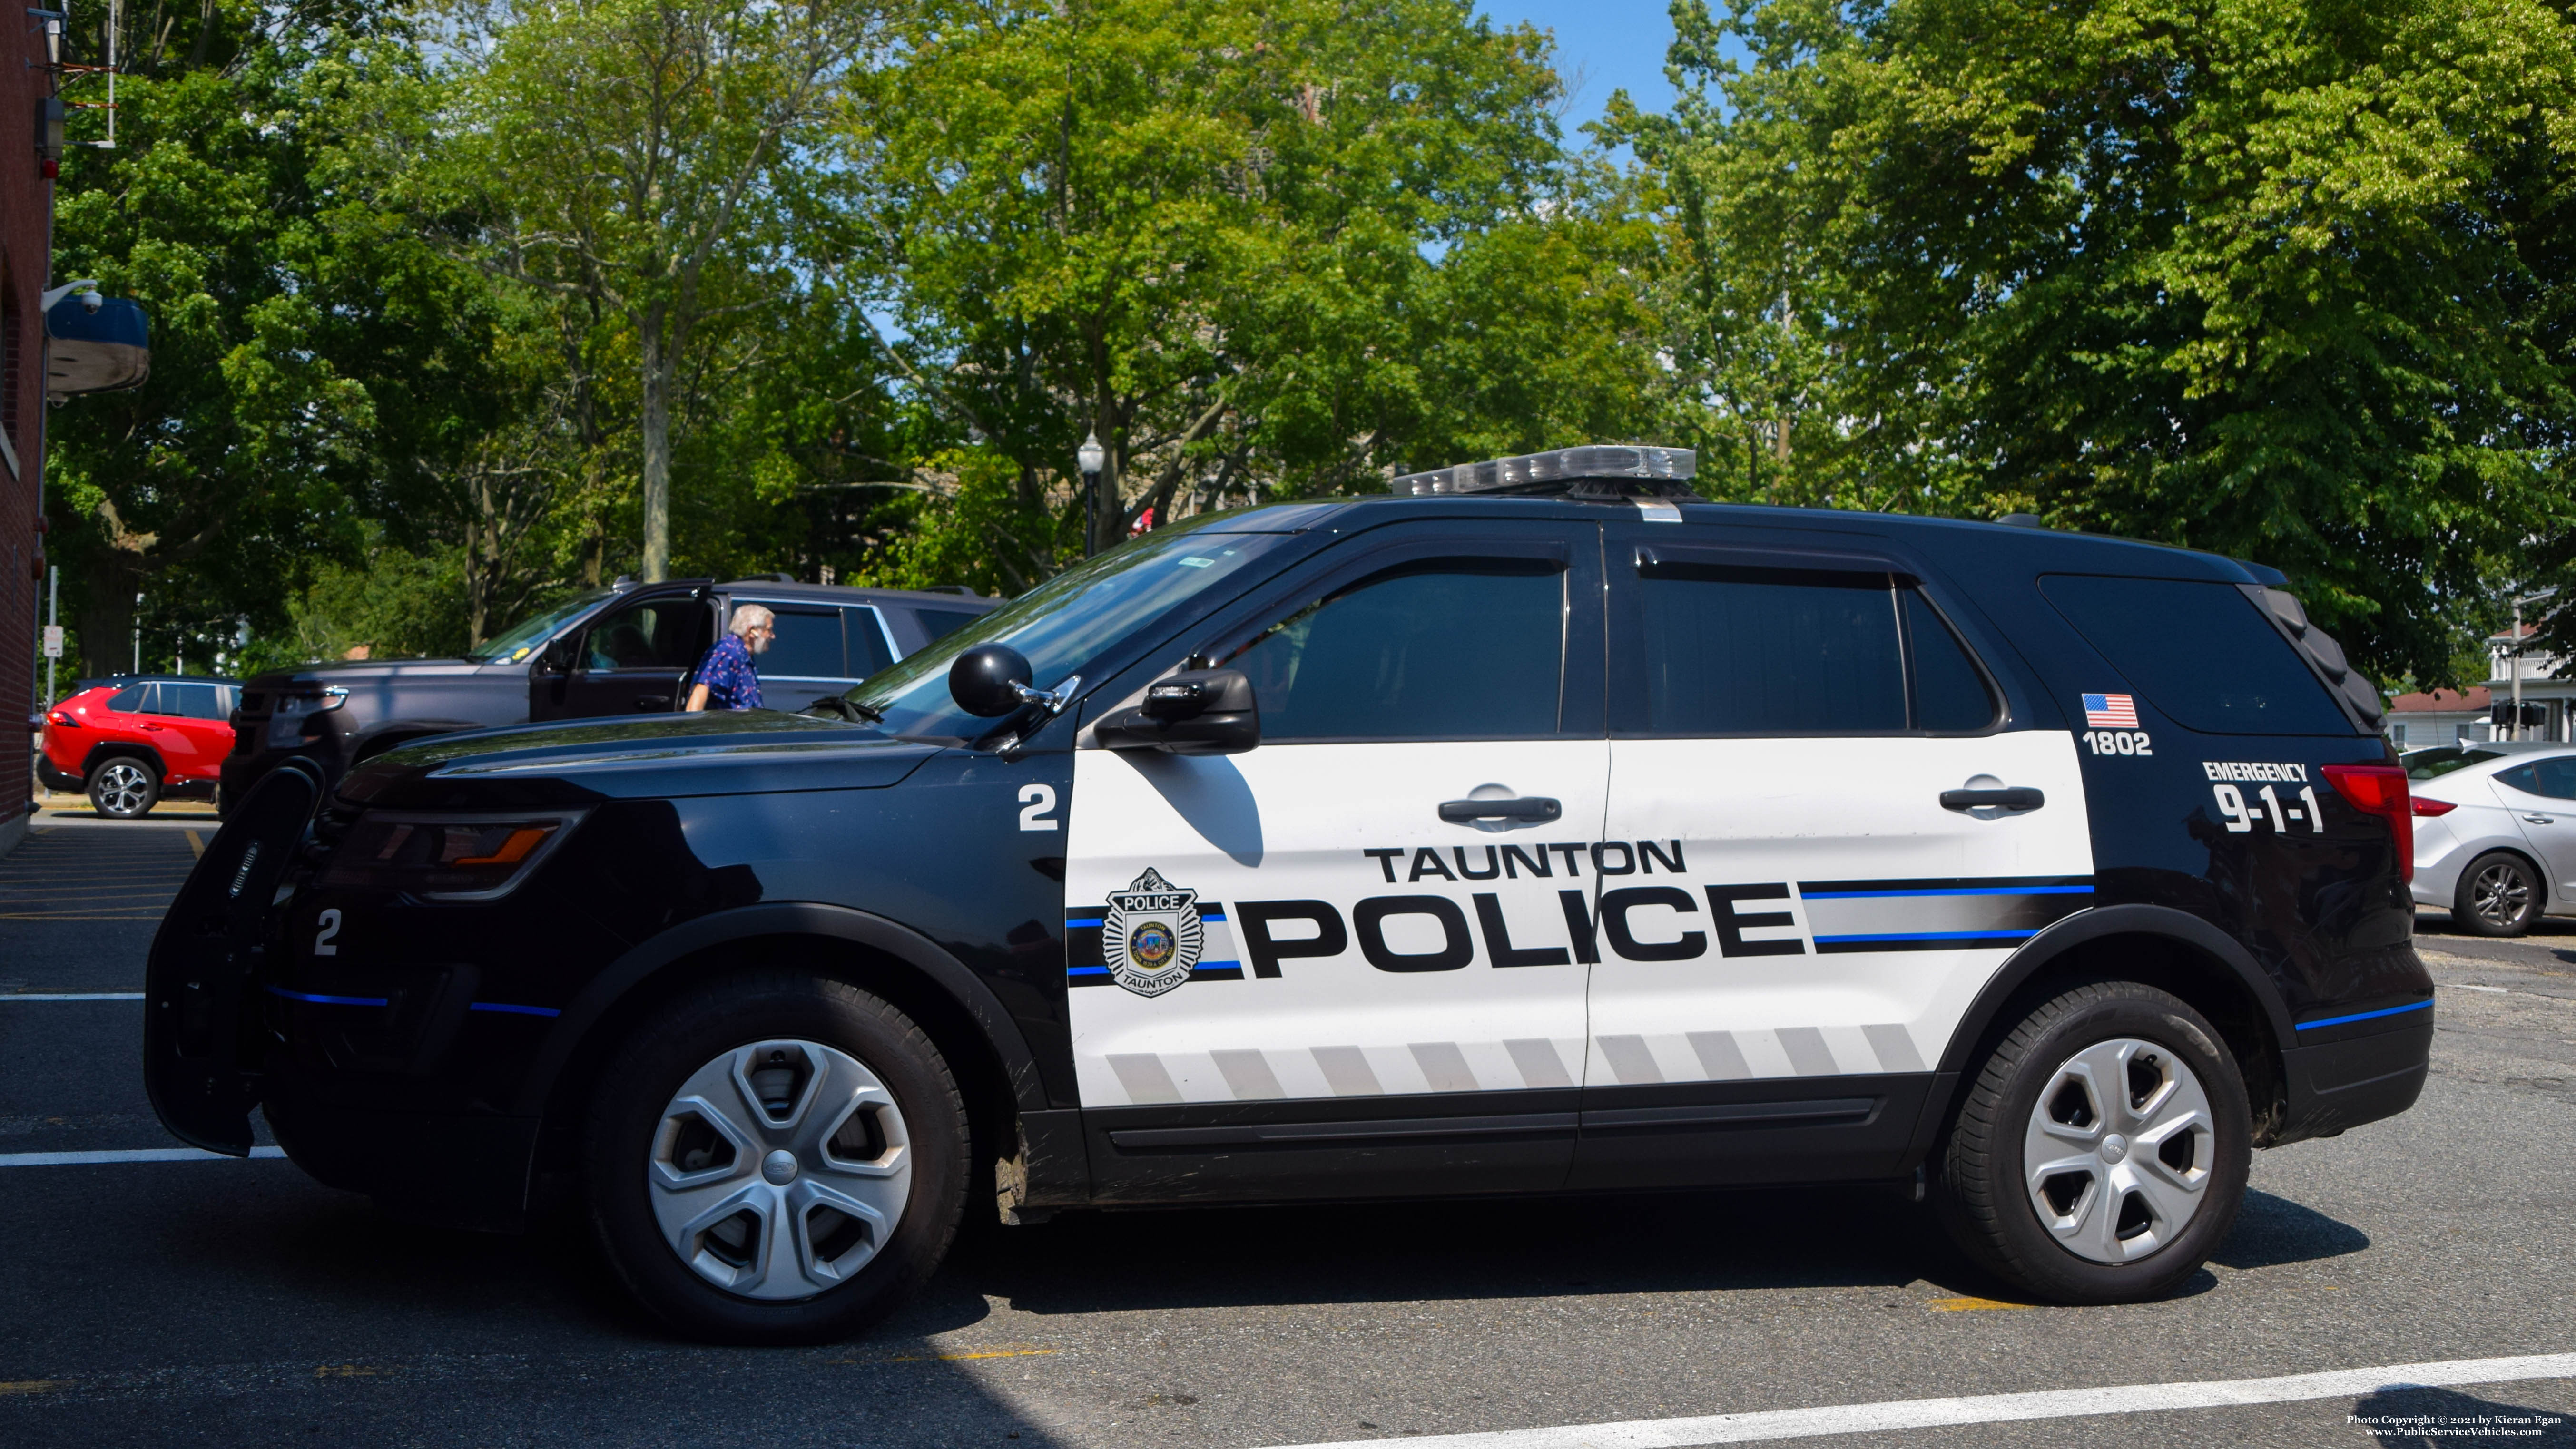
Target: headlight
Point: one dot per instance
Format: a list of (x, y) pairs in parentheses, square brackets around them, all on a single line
[(286, 723), (445, 857)]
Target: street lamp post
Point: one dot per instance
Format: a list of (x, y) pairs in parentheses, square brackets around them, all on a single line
[(1091, 456)]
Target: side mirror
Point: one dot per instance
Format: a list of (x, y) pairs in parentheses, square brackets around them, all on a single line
[(560, 654), (1194, 712), (988, 680)]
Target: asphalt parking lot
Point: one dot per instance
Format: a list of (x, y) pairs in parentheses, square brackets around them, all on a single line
[(229, 1302)]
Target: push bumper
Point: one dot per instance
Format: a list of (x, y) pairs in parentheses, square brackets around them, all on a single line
[(449, 1171), (2363, 1072)]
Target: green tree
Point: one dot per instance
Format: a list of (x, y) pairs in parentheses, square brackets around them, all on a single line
[(2283, 280), (1244, 245), (308, 345), (650, 158)]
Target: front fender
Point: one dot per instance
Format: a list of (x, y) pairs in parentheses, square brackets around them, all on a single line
[(785, 918)]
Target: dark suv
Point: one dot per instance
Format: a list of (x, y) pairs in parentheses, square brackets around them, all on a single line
[(622, 650), (1537, 828)]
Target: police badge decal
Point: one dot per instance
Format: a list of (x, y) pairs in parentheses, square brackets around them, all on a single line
[(1151, 934)]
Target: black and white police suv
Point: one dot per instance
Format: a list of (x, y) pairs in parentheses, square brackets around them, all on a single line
[(1535, 828)]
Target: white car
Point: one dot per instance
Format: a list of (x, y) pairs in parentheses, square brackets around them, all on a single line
[(2495, 834)]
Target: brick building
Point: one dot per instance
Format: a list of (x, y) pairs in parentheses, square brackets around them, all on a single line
[(27, 83)]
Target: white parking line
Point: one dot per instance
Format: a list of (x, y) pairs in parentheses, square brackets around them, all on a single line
[(1994, 1408), (133, 1154), (71, 996)]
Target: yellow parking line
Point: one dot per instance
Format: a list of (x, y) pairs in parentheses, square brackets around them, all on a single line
[(30, 1386), (196, 843), (1972, 1305), (954, 1357)]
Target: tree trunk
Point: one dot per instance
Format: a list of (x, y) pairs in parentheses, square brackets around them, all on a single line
[(657, 445), (105, 614)]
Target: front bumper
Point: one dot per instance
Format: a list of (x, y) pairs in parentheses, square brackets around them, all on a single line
[(449, 1171), (241, 770), (2358, 1076)]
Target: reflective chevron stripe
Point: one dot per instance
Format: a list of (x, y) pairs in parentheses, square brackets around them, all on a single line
[(1272, 1074)]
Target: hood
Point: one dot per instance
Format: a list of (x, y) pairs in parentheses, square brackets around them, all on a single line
[(719, 752), (355, 671)]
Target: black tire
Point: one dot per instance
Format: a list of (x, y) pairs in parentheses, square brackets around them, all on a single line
[(1981, 1189), (123, 787), (627, 1112), (2500, 894)]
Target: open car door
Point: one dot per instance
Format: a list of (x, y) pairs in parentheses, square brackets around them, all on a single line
[(199, 1016)]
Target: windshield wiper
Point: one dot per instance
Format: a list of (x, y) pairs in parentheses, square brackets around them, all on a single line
[(848, 709)]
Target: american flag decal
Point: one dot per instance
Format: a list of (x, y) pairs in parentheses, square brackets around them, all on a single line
[(2110, 712)]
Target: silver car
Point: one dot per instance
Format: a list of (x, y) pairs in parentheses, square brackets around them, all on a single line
[(2495, 834)]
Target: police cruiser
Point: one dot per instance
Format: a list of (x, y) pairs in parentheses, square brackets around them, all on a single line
[(1534, 828)]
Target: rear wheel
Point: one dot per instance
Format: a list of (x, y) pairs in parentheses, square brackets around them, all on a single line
[(2101, 1153), (2499, 895), (124, 788), (778, 1159)]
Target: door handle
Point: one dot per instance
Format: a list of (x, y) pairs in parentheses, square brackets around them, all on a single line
[(156, 729), (2541, 819), (2011, 797), (1533, 808), (651, 701)]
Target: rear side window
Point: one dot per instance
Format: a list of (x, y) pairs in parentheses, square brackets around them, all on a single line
[(939, 623), (132, 699), (192, 701), (1724, 649), (2555, 778), (807, 646), (2200, 652), (868, 651)]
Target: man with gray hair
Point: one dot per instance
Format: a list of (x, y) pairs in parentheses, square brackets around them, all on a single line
[(726, 678)]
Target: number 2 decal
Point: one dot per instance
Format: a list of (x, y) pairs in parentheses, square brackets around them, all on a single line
[(1035, 802), (329, 921)]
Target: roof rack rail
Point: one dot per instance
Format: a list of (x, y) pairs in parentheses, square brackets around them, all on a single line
[(1609, 471)]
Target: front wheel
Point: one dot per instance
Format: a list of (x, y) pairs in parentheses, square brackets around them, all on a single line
[(123, 789), (2499, 895), (777, 1159), (2101, 1153)]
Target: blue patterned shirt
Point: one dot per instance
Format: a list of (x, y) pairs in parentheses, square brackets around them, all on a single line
[(727, 672)]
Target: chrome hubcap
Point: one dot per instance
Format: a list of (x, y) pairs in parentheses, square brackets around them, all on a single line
[(2500, 895), (2118, 1151), (120, 789), (779, 1169)]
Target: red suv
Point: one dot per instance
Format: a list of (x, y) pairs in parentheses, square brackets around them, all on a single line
[(133, 740)]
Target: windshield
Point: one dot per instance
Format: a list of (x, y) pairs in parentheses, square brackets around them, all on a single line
[(519, 643), (2428, 764), (1061, 624)]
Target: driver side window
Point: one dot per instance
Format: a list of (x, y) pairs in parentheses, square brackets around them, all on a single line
[(653, 634), (1442, 649)]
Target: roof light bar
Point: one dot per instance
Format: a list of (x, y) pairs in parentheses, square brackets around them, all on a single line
[(1597, 470)]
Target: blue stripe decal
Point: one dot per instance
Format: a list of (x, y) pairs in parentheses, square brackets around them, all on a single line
[(326, 1000), (1076, 923), (514, 1010), (2364, 1016), (1218, 966), (1970, 891), (1086, 971), (1933, 936)]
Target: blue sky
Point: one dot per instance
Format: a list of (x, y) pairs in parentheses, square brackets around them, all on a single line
[(1601, 46)]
